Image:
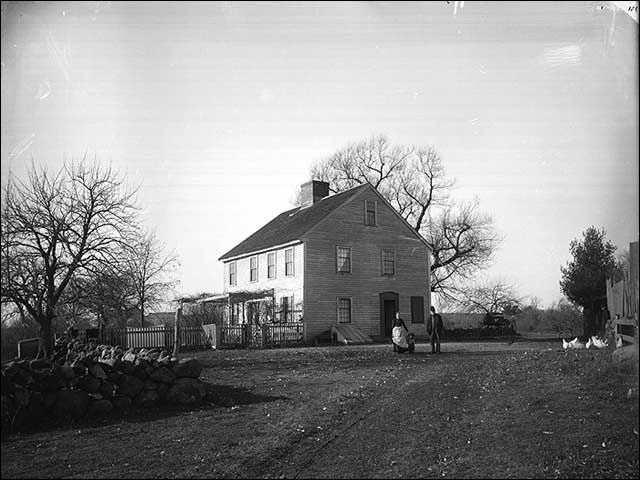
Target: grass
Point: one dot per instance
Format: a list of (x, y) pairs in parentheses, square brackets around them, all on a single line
[(478, 410)]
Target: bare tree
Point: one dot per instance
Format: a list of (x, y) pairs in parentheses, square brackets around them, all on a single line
[(108, 294), (149, 268), (411, 178), (414, 181), (490, 298), (463, 242), (57, 226), (564, 317)]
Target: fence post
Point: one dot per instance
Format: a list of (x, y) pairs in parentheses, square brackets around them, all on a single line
[(176, 331), (215, 341), (264, 328)]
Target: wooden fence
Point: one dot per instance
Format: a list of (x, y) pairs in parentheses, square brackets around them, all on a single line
[(255, 335), (623, 299), (28, 348), (229, 336), (626, 329), (154, 337)]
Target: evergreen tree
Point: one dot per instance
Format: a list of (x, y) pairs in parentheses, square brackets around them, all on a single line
[(583, 278)]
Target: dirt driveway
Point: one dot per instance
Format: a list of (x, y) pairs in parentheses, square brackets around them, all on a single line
[(478, 410)]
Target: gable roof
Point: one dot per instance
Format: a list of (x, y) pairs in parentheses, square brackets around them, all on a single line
[(292, 224), (401, 218)]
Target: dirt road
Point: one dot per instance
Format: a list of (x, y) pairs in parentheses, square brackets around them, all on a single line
[(481, 411), (478, 410)]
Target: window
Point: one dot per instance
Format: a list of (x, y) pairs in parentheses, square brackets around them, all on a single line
[(253, 269), (369, 212), (388, 262), (271, 265), (343, 257), (417, 309), (232, 273), (235, 313), (344, 310), (288, 262), (286, 309)]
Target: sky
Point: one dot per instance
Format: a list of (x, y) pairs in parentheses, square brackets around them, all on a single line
[(217, 110)]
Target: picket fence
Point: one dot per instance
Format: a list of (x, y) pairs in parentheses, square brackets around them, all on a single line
[(191, 338), (153, 337)]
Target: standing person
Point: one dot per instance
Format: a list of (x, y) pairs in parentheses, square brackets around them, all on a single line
[(399, 337), (434, 328)]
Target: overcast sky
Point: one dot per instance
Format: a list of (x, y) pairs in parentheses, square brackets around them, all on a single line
[(218, 110)]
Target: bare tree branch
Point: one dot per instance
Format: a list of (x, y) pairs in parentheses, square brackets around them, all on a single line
[(149, 268), (489, 297), (55, 227)]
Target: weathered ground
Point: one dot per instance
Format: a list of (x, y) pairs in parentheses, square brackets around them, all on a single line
[(478, 410)]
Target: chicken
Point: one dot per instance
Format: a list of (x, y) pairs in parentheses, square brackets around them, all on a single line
[(575, 343), (589, 343), (565, 344), (599, 342)]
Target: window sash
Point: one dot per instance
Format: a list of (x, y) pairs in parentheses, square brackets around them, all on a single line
[(288, 262), (286, 309), (232, 273), (271, 265), (343, 259), (344, 310), (370, 212), (253, 269), (388, 262)]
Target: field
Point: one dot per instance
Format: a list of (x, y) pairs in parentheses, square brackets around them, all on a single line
[(478, 410)]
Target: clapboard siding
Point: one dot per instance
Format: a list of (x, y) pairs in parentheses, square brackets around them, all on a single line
[(323, 285), (283, 285)]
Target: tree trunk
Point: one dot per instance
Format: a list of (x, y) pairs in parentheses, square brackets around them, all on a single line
[(590, 322), (46, 339)]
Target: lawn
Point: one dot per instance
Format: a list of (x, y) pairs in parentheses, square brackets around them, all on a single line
[(478, 410)]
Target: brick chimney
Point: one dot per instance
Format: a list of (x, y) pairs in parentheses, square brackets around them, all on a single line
[(312, 192)]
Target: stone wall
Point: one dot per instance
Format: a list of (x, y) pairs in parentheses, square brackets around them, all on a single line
[(87, 381)]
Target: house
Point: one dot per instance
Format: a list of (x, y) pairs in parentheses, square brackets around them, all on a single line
[(347, 258)]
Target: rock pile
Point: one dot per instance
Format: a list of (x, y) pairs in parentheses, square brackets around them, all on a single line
[(90, 380)]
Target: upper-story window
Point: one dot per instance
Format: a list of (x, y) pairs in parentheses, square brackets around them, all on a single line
[(370, 217), (271, 265), (343, 258), (232, 273), (288, 262), (388, 262), (253, 269)]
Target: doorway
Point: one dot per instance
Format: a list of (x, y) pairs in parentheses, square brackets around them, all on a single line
[(389, 303)]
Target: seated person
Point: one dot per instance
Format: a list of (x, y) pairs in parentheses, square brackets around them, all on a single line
[(399, 337)]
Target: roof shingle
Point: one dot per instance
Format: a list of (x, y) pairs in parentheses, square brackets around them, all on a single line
[(291, 225)]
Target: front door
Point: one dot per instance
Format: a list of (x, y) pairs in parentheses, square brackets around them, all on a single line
[(388, 308)]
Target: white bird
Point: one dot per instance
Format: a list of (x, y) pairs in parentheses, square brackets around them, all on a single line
[(598, 342), (619, 342), (589, 343), (565, 344), (575, 343)]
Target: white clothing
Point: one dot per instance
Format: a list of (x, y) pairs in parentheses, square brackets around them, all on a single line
[(399, 337)]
